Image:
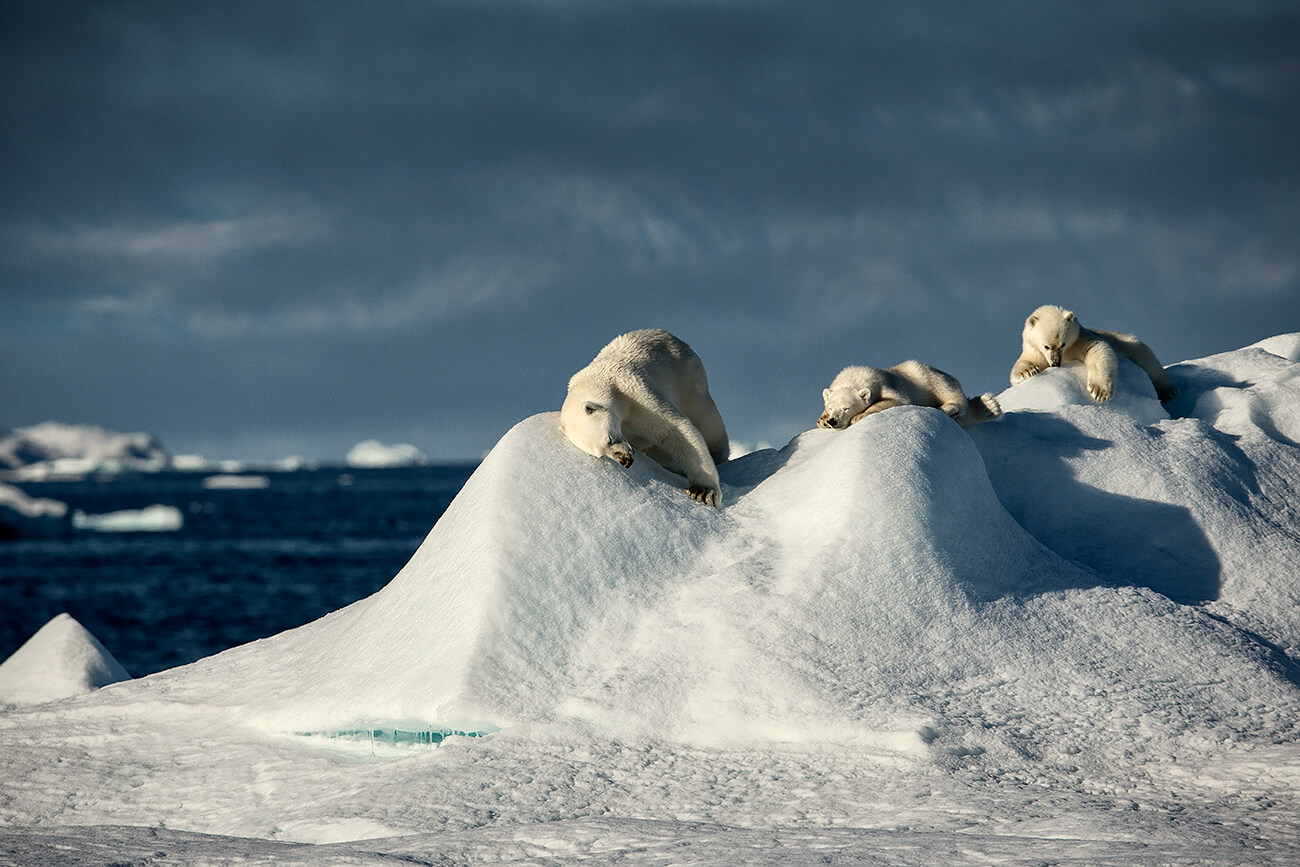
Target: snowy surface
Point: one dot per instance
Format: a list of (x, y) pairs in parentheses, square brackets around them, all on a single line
[(1066, 637), (372, 454), (53, 450), (62, 659)]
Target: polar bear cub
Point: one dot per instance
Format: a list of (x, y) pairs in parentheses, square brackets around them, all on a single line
[(647, 390), (1052, 337), (861, 391)]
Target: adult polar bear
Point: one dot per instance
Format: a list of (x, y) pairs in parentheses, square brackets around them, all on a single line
[(647, 390), (1052, 336)]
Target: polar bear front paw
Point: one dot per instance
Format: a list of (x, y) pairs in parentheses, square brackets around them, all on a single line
[(1100, 391), (707, 496), (1019, 376)]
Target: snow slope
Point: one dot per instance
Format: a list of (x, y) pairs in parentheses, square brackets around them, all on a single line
[(1067, 636)]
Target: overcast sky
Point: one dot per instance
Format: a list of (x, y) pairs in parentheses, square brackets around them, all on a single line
[(257, 229)]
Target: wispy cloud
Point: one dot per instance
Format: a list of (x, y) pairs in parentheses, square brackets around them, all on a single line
[(168, 243)]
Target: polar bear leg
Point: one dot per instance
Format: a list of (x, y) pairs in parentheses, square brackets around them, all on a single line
[(1141, 355), (686, 449), (708, 421), (879, 406), (1103, 365)]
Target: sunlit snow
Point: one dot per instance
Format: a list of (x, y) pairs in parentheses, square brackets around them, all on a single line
[(1066, 637)]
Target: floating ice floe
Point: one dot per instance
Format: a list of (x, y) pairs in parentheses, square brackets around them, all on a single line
[(1071, 635), (240, 482), (372, 454), (23, 516), (157, 518)]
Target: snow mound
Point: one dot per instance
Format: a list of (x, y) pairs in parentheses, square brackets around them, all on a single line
[(372, 454), (1060, 387), (61, 660), (1282, 345), (880, 583)]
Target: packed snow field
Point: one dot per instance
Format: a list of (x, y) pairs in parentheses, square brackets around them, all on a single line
[(1070, 636)]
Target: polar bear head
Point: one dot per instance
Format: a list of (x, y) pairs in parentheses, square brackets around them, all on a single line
[(1049, 330), (595, 429), (843, 404)]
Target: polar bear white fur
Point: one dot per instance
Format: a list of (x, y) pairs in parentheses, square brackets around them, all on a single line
[(647, 390), (1052, 336), (861, 391)]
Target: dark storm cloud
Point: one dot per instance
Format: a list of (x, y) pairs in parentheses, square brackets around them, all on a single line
[(306, 223)]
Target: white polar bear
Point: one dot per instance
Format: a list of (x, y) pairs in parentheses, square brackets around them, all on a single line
[(1052, 337), (861, 391), (647, 391)]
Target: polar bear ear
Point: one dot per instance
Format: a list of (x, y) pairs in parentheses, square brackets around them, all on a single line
[(1069, 316), (1031, 321), (826, 395), (865, 394)]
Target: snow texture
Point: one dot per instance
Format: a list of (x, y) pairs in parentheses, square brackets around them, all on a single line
[(1068, 637)]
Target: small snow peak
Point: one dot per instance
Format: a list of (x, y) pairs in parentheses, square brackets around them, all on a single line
[(61, 660)]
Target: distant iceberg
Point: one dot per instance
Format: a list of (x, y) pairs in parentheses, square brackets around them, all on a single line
[(55, 450), (236, 482), (21, 515), (372, 454), (151, 519)]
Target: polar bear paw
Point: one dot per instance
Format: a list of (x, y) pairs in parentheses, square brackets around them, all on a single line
[(707, 496), (1023, 373), (1100, 391)]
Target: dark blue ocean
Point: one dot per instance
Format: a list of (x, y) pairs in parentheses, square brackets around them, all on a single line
[(246, 564)]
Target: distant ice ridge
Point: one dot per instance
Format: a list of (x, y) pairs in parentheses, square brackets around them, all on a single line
[(372, 454), (62, 659), (52, 450)]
